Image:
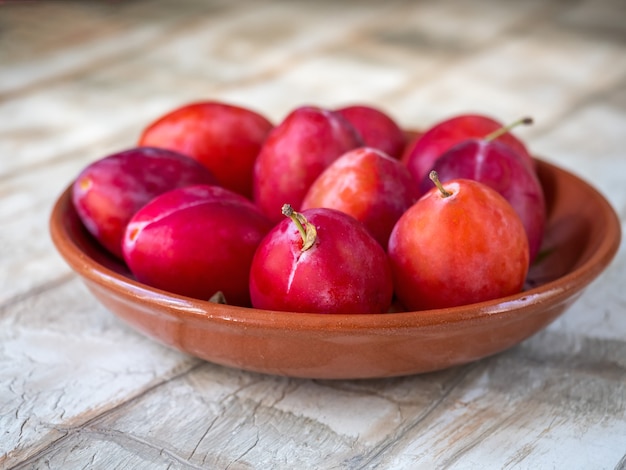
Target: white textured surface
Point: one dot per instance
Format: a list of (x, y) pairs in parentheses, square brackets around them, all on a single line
[(79, 389)]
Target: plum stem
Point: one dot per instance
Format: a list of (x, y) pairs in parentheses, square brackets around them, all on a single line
[(308, 232), (435, 179), (504, 129)]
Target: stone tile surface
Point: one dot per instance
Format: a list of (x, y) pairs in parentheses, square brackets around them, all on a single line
[(80, 80)]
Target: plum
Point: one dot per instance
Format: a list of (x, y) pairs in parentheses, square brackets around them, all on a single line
[(420, 155), (367, 184), (320, 261), (223, 137), (377, 128), (498, 166), (461, 243), (196, 241), (295, 153), (108, 192)]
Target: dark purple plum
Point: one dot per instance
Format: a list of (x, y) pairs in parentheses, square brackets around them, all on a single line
[(295, 153), (420, 155), (108, 192), (498, 166), (377, 128)]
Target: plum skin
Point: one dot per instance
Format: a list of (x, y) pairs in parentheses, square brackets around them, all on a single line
[(367, 184), (498, 166), (377, 128), (223, 137), (196, 241), (420, 155), (109, 191), (462, 249), (345, 271), (294, 154)]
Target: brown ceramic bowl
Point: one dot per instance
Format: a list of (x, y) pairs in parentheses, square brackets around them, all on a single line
[(582, 236)]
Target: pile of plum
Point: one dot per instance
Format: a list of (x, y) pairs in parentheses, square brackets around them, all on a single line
[(328, 211)]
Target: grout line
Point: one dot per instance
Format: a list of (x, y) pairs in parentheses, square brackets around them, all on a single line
[(368, 460)]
